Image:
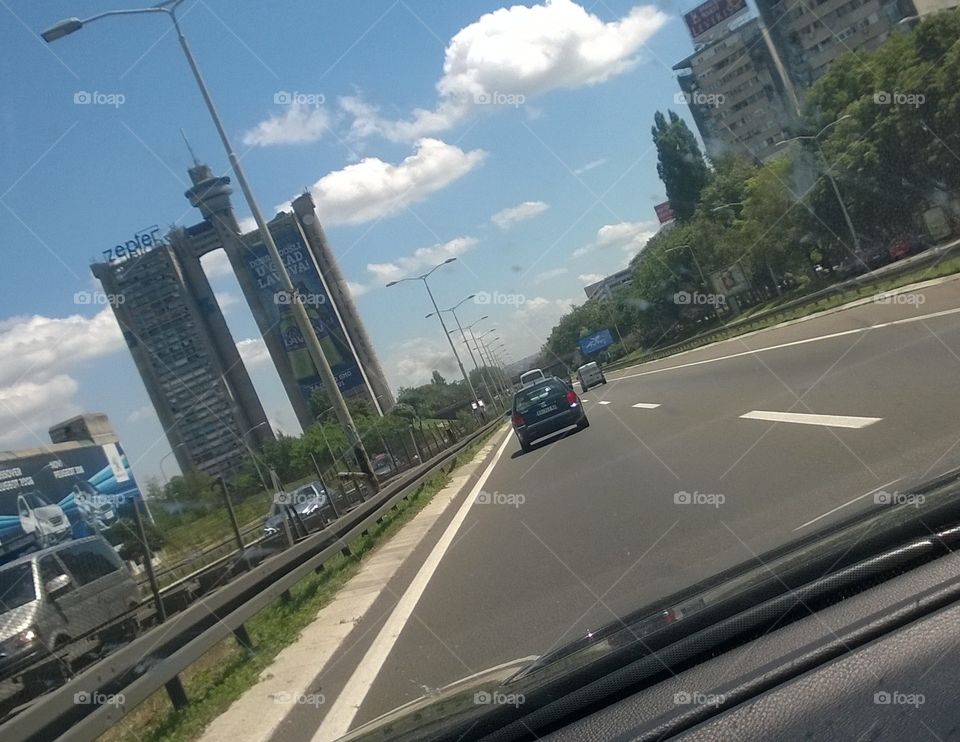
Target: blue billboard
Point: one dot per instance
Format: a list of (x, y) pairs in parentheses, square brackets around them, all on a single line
[(54, 496), (596, 342), (306, 278)]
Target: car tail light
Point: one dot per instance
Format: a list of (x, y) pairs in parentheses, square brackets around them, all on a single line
[(518, 421), (572, 398)]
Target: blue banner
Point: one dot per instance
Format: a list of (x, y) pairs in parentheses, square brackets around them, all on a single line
[(596, 342)]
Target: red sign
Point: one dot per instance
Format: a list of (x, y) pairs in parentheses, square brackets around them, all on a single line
[(664, 212), (704, 17)]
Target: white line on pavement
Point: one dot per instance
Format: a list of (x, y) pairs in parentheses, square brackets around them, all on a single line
[(804, 418), (604, 401), (848, 502), (337, 722), (646, 406), (830, 336)]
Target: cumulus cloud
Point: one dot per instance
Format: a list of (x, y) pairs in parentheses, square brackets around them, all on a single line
[(216, 264), (253, 351), (413, 362), (373, 189), (588, 278), (506, 218), (512, 54), (357, 289), (297, 125), (423, 257), (630, 237), (37, 355)]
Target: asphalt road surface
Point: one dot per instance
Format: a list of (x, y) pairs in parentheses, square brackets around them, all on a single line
[(691, 464)]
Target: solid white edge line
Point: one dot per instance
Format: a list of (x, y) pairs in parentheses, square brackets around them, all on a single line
[(338, 720), (791, 344), (809, 418), (646, 406), (849, 502)]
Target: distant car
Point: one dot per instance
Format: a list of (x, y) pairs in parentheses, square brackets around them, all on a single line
[(531, 377), (543, 408), (384, 465), (906, 245), (590, 375), (311, 503)]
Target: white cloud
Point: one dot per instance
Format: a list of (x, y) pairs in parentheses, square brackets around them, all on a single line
[(373, 189), (37, 355), (423, 257), (588, 278), (247, 224), (298, 124), (530, 325), (413, 362), (216, 264), (225, 299), (144, 412), (519, 213), (630, 237), (253, 351), (513, 54), (548, 275), (590, 166), (357, 289)]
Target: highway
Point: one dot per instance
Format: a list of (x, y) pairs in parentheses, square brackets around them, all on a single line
[(691, 465)]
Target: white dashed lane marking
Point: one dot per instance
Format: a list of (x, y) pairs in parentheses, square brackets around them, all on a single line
[(804, 418), (646, 406)]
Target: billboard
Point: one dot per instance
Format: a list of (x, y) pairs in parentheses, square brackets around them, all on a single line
[(664, 212), (306, 278), (731, 281), (596, 342), (711, 13), (53, 496)]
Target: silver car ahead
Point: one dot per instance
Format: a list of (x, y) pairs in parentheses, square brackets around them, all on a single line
[(51, 597)]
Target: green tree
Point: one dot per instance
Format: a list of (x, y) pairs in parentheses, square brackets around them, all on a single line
[(680, 163), (436, 378), (129, 542)]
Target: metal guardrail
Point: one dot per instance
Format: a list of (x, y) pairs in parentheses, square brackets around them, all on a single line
[(755, 321), (121, 681)]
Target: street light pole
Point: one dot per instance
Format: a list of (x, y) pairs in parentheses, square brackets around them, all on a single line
[(833, 183), (436, 310), (304, 324), (463, 336)]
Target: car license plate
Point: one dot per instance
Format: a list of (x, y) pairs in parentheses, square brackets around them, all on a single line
[(544, 410)]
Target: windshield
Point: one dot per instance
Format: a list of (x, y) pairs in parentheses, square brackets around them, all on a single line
[(455, 332), (16, 587)]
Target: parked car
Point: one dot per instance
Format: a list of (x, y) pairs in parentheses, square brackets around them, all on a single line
[(543, 408), (590, 375), (531, 377), (906, 245), (311, 502), (51, 597), (385, 465)]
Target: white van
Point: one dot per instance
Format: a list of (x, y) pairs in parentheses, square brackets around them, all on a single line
[(590, 375), (531, 377)]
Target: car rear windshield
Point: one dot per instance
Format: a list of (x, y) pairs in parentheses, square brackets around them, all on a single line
[(529, 397)]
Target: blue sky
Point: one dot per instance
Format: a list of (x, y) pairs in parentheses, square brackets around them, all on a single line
[(516, 137)]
